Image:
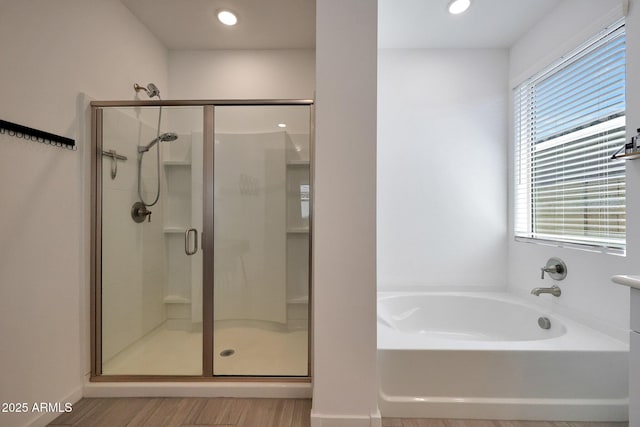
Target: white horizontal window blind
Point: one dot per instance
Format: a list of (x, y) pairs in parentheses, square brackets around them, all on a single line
[(569, 120)]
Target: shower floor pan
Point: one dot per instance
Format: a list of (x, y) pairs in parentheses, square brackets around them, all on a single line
[(256, 351)]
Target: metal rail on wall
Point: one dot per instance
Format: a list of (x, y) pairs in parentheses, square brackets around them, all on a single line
[(30, 134)]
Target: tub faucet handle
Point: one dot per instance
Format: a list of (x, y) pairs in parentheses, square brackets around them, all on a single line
[(556, 268), (552, 269)]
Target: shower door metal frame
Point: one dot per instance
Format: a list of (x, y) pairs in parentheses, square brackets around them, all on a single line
[(207, 240)]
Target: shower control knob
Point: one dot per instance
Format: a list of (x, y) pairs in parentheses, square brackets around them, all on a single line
[(139, 212)]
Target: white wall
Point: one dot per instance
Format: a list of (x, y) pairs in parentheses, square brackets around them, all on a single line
[(52, 52), (344, 233), (442, 129), (242, 74), (587, 292)]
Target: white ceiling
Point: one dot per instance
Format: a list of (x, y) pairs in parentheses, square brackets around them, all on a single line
[(262, 24), (428, 24), (290, 24)]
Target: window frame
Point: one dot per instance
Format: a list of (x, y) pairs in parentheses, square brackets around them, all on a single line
[(529, 233)]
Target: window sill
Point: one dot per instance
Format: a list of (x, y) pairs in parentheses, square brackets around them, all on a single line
[(578, 246)]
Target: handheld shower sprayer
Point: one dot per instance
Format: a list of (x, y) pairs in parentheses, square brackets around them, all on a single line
[(169, 136), (151, 90)]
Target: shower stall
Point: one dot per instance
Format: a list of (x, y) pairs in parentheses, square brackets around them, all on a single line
[(201, 243)]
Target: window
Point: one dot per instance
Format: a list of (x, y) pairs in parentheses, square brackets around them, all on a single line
[(569, 120)]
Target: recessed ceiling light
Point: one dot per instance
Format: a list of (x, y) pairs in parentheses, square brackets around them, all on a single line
[(227, 17), (282, 125), (458, 6)]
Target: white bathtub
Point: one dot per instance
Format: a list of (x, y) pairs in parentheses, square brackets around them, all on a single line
[(483, 355)]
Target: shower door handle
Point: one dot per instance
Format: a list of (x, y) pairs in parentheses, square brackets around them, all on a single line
[(187, 241)]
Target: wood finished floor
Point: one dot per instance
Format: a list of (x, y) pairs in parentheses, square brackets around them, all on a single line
[(229, 412), (405, 422), (187, 412)]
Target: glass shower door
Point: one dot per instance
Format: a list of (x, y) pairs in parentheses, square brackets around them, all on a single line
[(150, 257), (261, 240), (201, 240)]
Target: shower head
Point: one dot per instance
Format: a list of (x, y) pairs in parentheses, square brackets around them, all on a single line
[(151, 90), (169, 136)]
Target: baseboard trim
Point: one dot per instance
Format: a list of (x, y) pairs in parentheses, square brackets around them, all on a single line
[(198, 389), (595, 410), (328, 420)]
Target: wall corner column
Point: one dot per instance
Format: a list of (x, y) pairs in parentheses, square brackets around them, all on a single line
[(344, 265)]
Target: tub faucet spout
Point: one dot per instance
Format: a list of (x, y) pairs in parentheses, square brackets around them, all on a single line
[(554, 290)]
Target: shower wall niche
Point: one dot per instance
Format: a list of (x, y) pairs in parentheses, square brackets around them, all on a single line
[(298, 200), (182, 173)]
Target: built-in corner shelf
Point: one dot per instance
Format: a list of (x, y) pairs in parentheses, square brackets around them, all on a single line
[(298, 300), (297, 163), (176, 299), (297, 262), (177, 163), (301, 230), (174, 230)]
